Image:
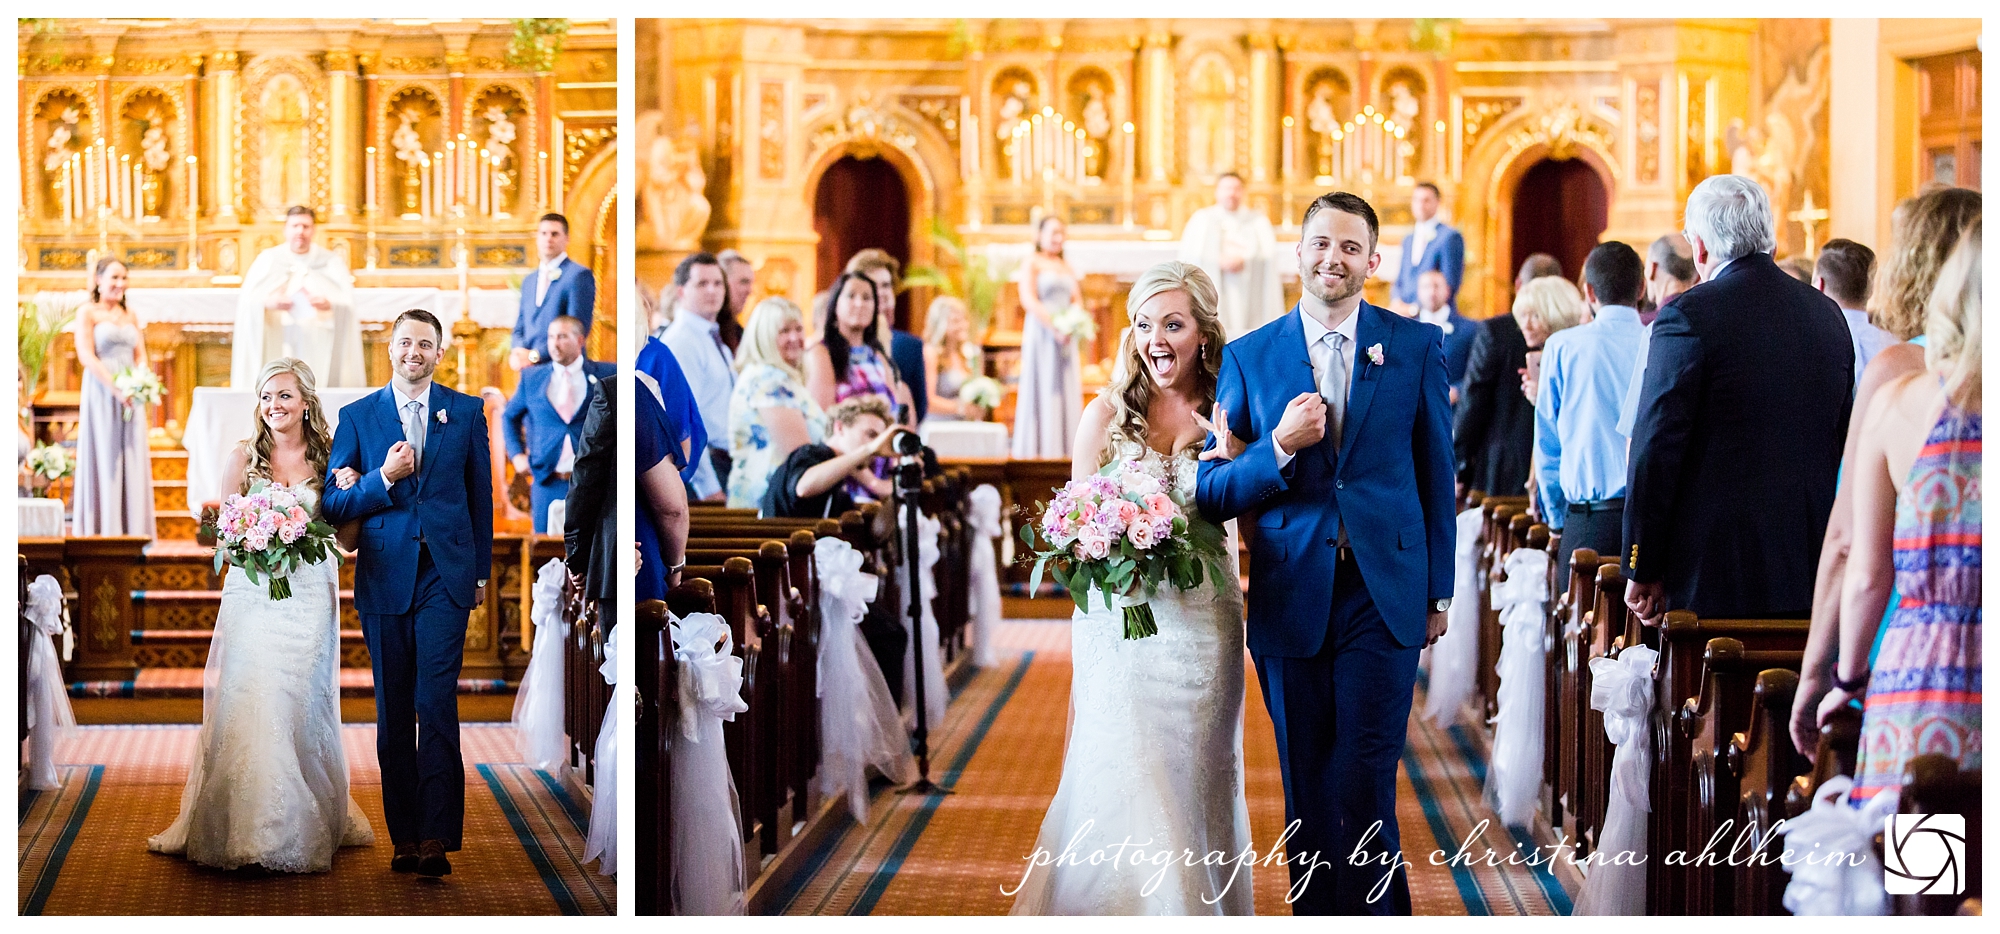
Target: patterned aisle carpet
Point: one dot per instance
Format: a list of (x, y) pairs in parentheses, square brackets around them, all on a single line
[(1000, 754), (82, 848)]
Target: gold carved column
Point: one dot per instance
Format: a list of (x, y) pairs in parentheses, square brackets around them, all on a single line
[(222, 115), (342, 88), (1264, 95), (1157, 141)]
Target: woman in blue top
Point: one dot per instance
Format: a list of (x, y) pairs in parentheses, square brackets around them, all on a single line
[(663, 513)]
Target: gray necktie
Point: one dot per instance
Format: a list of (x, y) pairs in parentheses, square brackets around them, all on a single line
[(1333, 388), (413, 428)]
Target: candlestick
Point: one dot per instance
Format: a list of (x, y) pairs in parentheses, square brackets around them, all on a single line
[(1131, 167), (1285, 153), (541, 182), (369, 186), (424, 185), (193, 214)]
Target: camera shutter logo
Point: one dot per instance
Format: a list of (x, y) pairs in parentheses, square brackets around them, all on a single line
[(1924, 854)]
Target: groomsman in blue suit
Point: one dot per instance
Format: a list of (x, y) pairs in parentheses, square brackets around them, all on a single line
[(558, 286), (1435, 306), (1431, 245), (544, 420), (1340, 469)]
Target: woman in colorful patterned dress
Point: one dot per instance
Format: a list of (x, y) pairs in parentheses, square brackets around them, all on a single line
[(1921, 535), (770, 412), (851, 357)]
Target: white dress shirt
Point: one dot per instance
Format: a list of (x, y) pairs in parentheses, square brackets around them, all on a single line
[(548, 272), (1419, 240), (1321, 352), (422, 420), (571, 377)]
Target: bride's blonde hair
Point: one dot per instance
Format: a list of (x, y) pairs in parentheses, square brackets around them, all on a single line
[(1130, 393), (319, 440)]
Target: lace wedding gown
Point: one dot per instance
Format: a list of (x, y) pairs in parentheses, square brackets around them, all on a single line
[(268, 782), (1154, 761)]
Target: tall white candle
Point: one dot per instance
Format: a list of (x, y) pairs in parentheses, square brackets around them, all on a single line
[(193, 197), (1131, 165), (370, 186)]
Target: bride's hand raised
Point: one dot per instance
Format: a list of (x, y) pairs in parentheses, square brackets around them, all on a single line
[(1227, 446), (346, 478)]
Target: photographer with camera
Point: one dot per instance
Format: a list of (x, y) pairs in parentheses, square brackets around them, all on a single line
[(813, 481)]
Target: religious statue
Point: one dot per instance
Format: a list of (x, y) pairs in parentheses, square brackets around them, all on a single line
[(287, 148), (500, 141), (1014, 105), (1210, 147), (672, 188), (1097, 128), (410, 151), (61, 131), (1407, 111), (1323, 120), (154, 157)]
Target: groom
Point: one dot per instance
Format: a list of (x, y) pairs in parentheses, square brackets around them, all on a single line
[(1345, 489), (426, 505)]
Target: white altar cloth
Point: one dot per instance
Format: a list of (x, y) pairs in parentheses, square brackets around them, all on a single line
[(491, 308), (218, 419), (959, 440)]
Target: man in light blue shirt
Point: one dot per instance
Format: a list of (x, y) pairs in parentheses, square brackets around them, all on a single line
[(1586, 371), (695, 337), (1843, 274)]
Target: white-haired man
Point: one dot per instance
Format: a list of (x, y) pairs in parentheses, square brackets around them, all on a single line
[(1741, 417)]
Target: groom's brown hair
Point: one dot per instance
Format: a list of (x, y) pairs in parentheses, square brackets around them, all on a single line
[(418, 314)]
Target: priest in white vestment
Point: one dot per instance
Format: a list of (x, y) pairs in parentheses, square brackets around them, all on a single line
[(298, 301), (1237, 248)]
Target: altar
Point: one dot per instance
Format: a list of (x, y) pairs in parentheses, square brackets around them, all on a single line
[(490, 308)]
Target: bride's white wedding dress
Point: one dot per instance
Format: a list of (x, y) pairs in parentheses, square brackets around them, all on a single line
[(1154, 762), (268, 781)]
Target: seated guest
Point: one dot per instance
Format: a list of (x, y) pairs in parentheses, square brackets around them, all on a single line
[(1580, 466), (851, 357), (558, 287), (812, 482), (544, 420), (590, 518), (905, 350), (1547, 305), (950, 360), (1925, 229), (770, 412), (1493, 428), (1435, 306), (662, 524), (1741, 417), (706, 351), (1842, 273), (1917, 534)]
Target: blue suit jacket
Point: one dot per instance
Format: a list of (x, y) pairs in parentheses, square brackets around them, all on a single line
[(447, 505), (1391, 480), (907, 352), (533, 427), (574, 293), (1445, 253), (1458, 348)]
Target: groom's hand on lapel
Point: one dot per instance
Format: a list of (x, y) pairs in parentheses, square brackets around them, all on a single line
[(400, 462), (1302, 425)]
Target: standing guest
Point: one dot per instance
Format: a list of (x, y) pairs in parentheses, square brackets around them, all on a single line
[(1926, 229), (1493, 429), (1431, 246), (1235, 245), (1842, 273), (1744, 407), (741, 277), (1798, 269), (558, 287), (1542, 309), (1435, 306), (1049, 399), (814, 481), (113, 492), (851, 357), (665, 379), (696, 338), (1917, 532), (1669, 272), (950, 360), (591, 546), (770, 412), (905, 350), (661, 528), (1585, 372), (544, 419)]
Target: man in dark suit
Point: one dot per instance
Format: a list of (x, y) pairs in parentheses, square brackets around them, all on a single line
[(1431, 246), (906, 350), (558, 286), (590, 520), (1741, 419), (1342, 415), (544, 420), (1493, 431), (1435, 306)]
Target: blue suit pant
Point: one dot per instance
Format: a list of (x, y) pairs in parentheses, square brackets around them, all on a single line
[(540, 494), (416, 656), (1342, 718)]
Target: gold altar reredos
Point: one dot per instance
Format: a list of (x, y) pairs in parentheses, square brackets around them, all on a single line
[(740, 118), (177, 144)]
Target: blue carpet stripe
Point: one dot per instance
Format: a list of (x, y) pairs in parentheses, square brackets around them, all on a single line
[(1468, 887), (1472, 810), (46, 881), (532, 846), (884, 874), (578, 817), (1544, 875)]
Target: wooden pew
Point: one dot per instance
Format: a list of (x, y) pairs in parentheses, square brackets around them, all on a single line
[(1553, 617), (1718, 722), (1683, 644), (1570, 698), (1499, 540), (1934, 784), (1765, 764), (585, 693), (656, 728), (1606, 632)]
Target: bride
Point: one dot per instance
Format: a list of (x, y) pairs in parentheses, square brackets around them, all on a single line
[(1154, 767), (268, 785)]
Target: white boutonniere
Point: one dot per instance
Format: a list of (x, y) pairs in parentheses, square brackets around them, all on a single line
[(1448, 326), (1375, 354), (442, 420)]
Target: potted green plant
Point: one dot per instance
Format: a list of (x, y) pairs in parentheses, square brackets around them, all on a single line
[(39, 327), (977, 282)]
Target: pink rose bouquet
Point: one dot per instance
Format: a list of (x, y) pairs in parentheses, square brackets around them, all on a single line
[(270, 531), (1123, 533)]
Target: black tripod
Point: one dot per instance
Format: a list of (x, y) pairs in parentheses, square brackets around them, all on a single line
[(910, 489)]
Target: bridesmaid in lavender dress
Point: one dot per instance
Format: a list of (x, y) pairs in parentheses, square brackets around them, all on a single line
[(1050, 394), (114, 468)]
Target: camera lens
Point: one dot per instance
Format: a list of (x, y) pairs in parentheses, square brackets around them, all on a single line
[(909, 445)]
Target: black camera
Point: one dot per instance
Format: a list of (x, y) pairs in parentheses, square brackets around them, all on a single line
[(907, 444)]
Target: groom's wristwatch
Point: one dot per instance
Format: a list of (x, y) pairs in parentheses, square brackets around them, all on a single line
[(481, 584), (1439, 606)]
